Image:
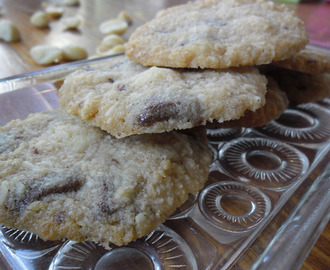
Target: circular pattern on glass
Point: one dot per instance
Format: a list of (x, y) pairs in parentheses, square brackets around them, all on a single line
[(234, 207), (308, 124), (216, 135), (77, 255), (161, 249), (20, 241), (263, 162), (125, 258)]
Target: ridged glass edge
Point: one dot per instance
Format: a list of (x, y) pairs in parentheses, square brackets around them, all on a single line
[(52, 73), (300, 231)]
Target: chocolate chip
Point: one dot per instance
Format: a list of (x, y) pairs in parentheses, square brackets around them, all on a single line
[(121, 87), (115, 161), (311, 61), (103, 205), (105, 208), (59, 217), (37, 194), (160, 112)]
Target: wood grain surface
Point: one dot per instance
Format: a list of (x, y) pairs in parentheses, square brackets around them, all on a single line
[(15, 57)]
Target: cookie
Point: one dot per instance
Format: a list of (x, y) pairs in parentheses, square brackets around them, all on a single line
[(218, 34), (62, 178), (276, 103), (125, 98), (301, 87), (307, 61)]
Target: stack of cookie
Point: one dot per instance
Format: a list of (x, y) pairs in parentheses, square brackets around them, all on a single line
[(305, 77), (120, 168), (192, 65), (223, 34)]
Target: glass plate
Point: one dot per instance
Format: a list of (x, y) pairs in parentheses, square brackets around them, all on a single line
[(265, 203)]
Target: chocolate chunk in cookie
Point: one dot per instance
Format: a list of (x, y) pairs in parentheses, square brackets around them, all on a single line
[(142, 100), (62, 178)]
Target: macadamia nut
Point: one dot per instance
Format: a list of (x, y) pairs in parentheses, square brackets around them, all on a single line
[(108, 42), (115, 50), (71, 22), (113, 26), (125, 16), (73, 52), (46, 54), (54, 11), (40, 19), (9, 31)]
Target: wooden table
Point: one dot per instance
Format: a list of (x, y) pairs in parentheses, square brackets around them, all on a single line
[(15, 58)]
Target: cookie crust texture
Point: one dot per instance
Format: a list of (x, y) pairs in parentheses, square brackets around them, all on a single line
[(276, 103), (218, 34), (62, 178), (307, 61), (125, 98)]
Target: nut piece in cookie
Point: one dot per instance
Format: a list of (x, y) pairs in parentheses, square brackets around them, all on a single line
[(125, 98), (62, 178), (218, 34)]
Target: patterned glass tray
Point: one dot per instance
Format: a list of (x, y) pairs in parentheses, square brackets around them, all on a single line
[(266, 201)]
